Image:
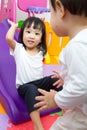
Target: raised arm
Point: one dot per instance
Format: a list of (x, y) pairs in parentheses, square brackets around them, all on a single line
[(10, 35)]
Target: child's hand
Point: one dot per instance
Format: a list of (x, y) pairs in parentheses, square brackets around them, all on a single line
[(60, 80), (12, 23), (46, 100)]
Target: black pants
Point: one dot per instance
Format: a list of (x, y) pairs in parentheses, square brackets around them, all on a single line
[(29, 90)]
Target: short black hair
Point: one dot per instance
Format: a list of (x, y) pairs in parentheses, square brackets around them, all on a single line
[(38, 24), (75, 7)]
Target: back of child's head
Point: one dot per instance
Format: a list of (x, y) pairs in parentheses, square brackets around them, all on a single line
[(75, 7), (37, 24)]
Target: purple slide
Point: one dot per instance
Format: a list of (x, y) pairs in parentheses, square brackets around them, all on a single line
[(14, 106)]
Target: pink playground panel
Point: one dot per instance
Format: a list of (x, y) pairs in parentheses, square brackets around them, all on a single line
[(33, 7), (8, 10), (9, 7), (24, 4)]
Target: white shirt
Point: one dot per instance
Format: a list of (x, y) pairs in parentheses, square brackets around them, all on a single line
[(28, 68), (73, 60)]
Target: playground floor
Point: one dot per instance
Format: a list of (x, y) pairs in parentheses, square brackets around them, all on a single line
[(6, 124)]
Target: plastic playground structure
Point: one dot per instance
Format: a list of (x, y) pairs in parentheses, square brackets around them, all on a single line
[(11, 102)]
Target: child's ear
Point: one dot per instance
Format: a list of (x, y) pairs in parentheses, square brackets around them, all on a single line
[(60, 8)]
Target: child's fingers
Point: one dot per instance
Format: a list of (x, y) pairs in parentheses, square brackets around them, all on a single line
[(41, 105), (58, 83), (54, 76), (56, 72), (12, 23), (9, 21), (43, 92)]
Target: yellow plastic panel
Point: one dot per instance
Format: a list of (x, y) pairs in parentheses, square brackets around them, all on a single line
[(54, 45)]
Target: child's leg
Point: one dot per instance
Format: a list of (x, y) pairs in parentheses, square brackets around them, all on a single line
[(35, 117), (28, 92), (47, 83)]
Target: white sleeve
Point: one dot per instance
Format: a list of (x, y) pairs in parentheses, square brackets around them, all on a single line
[(74, 91), (17, 49)]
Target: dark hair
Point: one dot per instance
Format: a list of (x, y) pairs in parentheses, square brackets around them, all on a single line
[(75, 7), (38, 24)]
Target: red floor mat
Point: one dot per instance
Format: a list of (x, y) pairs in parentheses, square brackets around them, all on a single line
[(46, 120)]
